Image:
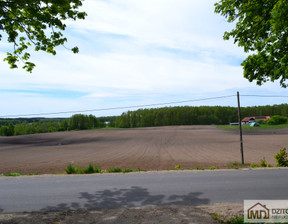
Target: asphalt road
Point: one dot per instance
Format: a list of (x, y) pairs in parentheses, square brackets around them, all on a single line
[(60, 193)]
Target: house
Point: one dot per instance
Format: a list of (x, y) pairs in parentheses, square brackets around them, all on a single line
[(258, 211), (249, 120)]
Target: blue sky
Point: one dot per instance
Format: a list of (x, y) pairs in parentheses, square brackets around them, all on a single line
[(134, 53)]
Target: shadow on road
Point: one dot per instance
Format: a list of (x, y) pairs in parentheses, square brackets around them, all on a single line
[(132, 197)]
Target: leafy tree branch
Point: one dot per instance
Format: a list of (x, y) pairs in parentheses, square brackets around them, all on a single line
[(262, 30), (39, 23)]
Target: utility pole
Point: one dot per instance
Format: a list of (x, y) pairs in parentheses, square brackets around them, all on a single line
[(240, 128)]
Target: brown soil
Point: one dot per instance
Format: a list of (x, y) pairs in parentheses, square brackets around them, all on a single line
[(154, 148)]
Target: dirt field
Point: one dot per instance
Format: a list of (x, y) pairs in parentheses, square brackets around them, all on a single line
[(154, 148)]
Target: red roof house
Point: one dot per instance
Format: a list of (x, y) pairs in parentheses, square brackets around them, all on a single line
[(248, 120)]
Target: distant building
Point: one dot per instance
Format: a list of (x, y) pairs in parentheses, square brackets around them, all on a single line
[(249, 120)]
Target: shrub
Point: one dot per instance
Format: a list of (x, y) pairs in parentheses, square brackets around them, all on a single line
[(253, 165), (71, 169), (13, 174), (97, 169), (277, 119), (139, 170), (127, 170), (281, 158), (177, 167), (114, 170), (264, 164), (212, 167), (259, 121), (89, 169)]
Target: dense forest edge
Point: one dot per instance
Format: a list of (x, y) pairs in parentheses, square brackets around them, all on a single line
[(166, 116)]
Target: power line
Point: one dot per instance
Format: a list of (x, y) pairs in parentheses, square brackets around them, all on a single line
[(135, 106), (115, 108)]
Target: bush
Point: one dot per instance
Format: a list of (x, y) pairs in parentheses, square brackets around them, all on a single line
[(71, 169), (277, 119), (213, 167), (264, 164), (114, 170), (127, 170), (281, 158), (89, 169), (259, 121), (253, 165), (13, 174), (140, 170), (177, 167)]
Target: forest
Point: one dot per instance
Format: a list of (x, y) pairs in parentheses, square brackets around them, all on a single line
[(202, 115), (166, 116), (23, 126)]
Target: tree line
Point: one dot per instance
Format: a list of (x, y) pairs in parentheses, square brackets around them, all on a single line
[(185, 115), (22, 126), (166, 116)]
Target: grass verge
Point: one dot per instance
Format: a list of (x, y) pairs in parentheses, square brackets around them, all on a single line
[(232, 220), (247, 127)]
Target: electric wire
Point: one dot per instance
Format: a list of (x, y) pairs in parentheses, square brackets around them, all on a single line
[(134, 106), (114, 108)]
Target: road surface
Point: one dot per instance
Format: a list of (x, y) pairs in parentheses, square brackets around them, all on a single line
[(72, 192)]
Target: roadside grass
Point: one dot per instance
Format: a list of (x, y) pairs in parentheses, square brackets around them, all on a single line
[(213, 168), (237, 165), (14, 174), (232, 220), (177, 167), (248, 127), (114, 170), (128, 170), (71, 169)]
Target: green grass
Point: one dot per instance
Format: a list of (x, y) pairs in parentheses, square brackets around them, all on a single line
[(236, 165), (140, 170), (110, 128), (177, 167), (128, 170), (213, 168), (13, 174), (114, 170), (232, 220), (71, 169), (247, 127), (253, 165)]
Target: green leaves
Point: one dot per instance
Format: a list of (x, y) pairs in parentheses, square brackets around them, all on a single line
[(27, 22), (261, 28)]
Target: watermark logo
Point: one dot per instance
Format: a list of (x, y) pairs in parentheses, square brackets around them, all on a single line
[(258, 211), (266, 211)]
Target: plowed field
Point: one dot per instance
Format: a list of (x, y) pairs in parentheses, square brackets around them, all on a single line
[(154, 148)]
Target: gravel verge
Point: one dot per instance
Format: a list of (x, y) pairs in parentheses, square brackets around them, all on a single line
[(140, 215)]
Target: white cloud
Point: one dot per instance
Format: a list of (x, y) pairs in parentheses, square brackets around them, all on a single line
[(131, 53)]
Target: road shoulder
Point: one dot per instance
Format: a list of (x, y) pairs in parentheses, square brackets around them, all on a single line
[(147, 215)]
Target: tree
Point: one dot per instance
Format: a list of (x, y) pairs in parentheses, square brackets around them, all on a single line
[(37, 23), (262, 29)]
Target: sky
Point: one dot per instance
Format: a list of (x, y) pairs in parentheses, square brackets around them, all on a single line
[(134, 53)]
